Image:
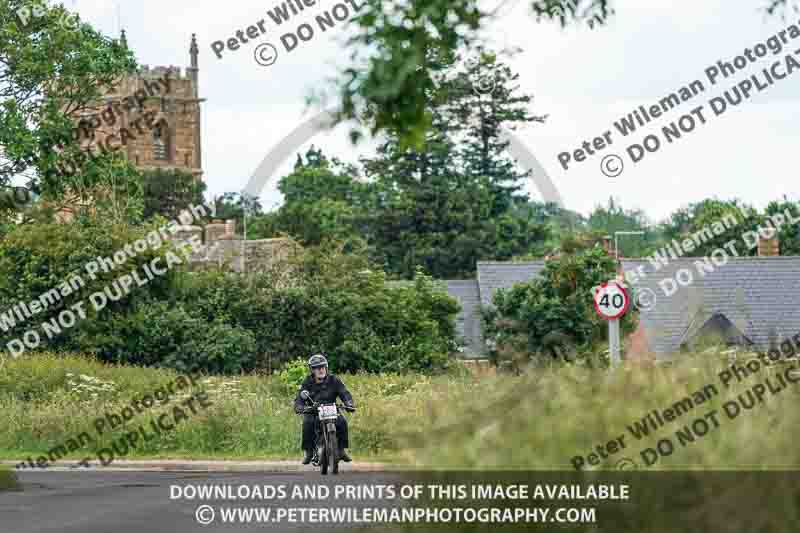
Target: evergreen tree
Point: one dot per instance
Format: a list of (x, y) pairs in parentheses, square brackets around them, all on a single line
[(323, 199), (451, 203), (484, 99)]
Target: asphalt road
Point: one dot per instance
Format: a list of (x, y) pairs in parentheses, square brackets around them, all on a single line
[(92, 501)]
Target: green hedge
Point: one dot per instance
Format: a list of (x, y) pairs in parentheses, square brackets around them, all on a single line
[(217, 322)]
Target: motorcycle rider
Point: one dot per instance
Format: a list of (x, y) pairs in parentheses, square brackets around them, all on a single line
[(323, 388)]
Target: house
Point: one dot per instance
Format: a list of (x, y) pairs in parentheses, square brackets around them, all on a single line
[(747, 301), (476, 294)]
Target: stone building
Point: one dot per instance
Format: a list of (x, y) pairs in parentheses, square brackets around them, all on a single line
[(174, 140), (163, 132), (224, 250)]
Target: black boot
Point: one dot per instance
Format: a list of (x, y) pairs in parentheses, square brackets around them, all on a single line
[(343, 456), (307, 458)]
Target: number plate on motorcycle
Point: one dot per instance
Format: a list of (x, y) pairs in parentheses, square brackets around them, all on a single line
[(327, 412)]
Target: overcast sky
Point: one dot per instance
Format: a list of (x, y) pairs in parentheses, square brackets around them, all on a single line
[(585, 80)]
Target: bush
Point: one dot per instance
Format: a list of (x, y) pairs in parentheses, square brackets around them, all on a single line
[(338, 306), (294, 373), (325, 301), (37, 258), (555, 313)]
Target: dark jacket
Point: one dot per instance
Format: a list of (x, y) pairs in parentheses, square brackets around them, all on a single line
[(325, 392)]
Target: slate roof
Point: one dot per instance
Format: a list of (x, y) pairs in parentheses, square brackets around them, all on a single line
[(759, 295), (468, 320), (493, 275), (474, 295), (717, 328)]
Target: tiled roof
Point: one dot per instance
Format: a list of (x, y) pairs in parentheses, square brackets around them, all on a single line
[(468, 320), (493, 275), (759, 295)]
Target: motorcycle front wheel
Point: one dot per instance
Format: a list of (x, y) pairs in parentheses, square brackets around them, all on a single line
[(332, 450), (323, 459)]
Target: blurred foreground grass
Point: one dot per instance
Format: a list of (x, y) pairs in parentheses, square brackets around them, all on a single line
[(538, 421), (8, 479)]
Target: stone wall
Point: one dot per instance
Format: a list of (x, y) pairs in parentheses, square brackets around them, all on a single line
[(223, 250)]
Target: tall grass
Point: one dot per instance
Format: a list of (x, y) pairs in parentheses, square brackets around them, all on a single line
[(47, 399), (544, 420), (536, 421)]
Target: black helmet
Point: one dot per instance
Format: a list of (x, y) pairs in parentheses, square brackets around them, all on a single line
[(317, 361)]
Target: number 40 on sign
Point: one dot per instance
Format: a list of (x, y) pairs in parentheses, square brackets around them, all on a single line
[(611, 300)]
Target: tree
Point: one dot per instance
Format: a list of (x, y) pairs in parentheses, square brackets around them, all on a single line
[(607, 220), (168, 192), (386, 80), (323, 200), (118, 193), (384, 83), (316, 177), (705, 219), (454, 202), (483, 100), (50, 73), (789, 234), (234, 205), (525, 315)]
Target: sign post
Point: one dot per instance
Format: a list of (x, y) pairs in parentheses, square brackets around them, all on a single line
[(614, 342), (611, 301)]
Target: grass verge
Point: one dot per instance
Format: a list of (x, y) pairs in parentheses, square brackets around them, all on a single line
[(544, 420)]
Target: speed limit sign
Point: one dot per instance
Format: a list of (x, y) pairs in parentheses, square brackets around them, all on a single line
[(611, 300)]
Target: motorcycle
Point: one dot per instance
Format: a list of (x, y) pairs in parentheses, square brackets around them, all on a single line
[(326, 445)]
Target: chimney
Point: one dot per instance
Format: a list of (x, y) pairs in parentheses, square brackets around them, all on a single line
[(215, 231), (768, 246)]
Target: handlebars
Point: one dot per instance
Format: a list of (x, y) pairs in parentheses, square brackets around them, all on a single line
[(307, 398), (314, 405)]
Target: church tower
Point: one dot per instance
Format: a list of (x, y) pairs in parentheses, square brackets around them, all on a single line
[(175, 142)]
